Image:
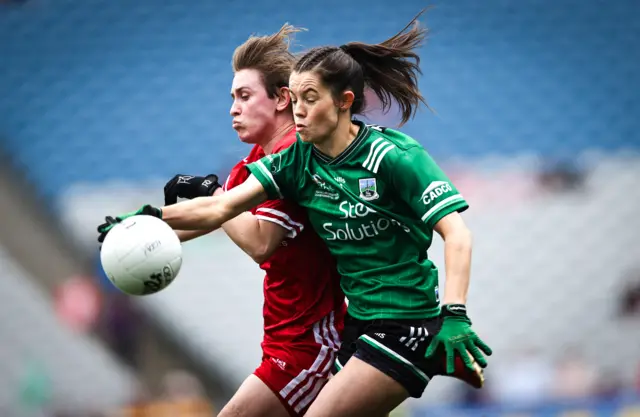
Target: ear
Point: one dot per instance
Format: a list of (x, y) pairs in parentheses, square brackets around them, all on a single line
[(346, 101), (284, 99)]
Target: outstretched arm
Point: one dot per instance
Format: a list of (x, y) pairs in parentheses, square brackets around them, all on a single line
[(209, 213), (278, 172), (457, 257)]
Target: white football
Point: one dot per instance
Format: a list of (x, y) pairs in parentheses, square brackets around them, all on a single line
[(141, 255)]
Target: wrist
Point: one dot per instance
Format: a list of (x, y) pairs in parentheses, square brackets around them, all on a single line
[(454, 294), (150, 210), (454, 310)]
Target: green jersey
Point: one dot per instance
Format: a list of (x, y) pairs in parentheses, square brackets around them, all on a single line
[(375, 206)]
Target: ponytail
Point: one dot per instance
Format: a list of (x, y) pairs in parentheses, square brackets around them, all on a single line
[(389, 68)]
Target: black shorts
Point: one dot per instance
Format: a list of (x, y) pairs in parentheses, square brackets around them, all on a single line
[(394, 347)]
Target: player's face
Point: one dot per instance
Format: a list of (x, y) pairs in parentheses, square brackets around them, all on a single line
[(314, 109), (252, 110)]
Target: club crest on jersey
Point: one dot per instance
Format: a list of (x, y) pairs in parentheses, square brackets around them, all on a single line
[(368, 189)]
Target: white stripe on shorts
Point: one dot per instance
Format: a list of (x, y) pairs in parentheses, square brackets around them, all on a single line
[(305, 386)]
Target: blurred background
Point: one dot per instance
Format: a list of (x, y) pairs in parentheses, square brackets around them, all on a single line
[(536, 119)]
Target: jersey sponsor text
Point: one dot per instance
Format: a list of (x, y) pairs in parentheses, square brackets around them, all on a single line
[(435, 190)]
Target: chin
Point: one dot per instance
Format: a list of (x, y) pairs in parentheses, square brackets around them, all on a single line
[(247, 138), (306, 138)]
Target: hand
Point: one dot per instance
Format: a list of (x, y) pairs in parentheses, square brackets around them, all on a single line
[(147, 209), (456, 336), (189, 186)]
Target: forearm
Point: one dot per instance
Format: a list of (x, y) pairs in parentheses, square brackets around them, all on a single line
[(208, 213), (202, 213), (457, 257), (187, 235)]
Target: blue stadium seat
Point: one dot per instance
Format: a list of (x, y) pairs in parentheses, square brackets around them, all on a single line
[(102, 90)]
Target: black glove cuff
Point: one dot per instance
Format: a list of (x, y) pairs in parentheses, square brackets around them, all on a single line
[(454, 310), (150, 210)]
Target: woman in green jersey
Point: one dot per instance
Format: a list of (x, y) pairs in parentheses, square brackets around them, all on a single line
[(375, 196)]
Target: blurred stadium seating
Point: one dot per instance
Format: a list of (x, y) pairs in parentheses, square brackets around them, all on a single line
[(536, 119), (41, 360)]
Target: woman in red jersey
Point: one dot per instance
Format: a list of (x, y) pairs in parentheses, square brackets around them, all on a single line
[(304, 306)]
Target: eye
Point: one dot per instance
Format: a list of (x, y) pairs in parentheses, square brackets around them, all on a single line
[(244, 97)]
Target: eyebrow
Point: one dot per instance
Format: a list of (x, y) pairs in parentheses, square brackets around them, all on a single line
[(239, 89), (308, 90)]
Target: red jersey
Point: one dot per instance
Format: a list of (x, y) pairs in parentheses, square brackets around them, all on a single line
[(301, 285)]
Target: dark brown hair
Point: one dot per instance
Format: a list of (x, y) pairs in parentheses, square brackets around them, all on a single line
[(270, 56), (389, 68)]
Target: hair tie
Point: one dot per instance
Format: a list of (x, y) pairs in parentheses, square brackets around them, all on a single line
[(344, 48)]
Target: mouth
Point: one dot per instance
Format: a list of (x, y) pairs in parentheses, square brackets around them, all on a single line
[(300, 127), (236, 125)]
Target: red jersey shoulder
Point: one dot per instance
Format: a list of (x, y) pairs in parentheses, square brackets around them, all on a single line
[(239, 173)]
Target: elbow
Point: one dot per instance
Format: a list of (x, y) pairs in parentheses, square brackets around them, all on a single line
[(262, 249), (261, 253), (460, 239), (259, 258)]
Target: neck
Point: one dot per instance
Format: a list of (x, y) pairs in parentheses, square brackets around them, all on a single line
[(340, 139), (280, 131)]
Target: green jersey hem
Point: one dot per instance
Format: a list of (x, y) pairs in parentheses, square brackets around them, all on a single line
[(398, 315), (262, 173)]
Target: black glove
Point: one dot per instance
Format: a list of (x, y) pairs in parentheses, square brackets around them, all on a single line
[(189, 186), (105, 227)]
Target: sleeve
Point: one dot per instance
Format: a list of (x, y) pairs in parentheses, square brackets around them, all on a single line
[(278, 173), (286, 214), (229, 183), (237, 176), (423, 185)]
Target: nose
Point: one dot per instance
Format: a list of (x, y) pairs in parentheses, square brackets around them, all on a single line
[(235, 109), (299, 110)]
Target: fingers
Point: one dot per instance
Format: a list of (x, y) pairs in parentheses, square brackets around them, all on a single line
[(483, 346), (451, 358), (104, 228), (476, 354), (170, 191), (170, 197), (433, 347)]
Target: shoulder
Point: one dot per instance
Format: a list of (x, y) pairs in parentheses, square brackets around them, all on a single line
[(288, 140), (255, 154), (398, 139), (386, 147), (292, 150), (238, 173)]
